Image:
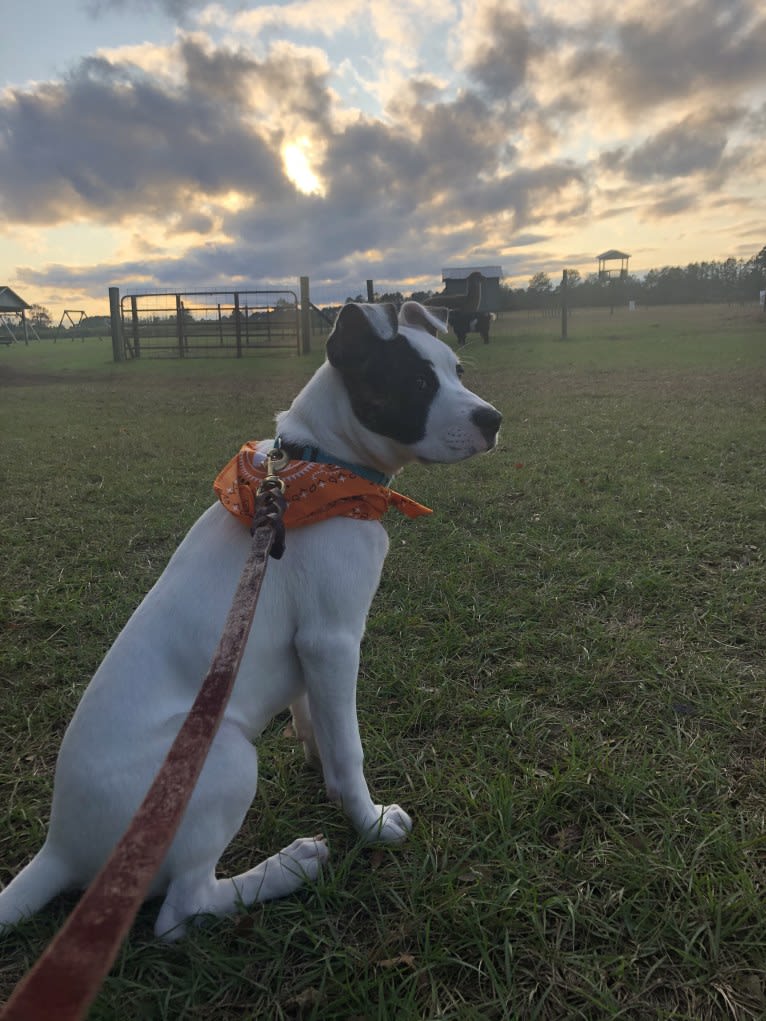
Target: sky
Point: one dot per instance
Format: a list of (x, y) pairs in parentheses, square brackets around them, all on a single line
[(158, 145)]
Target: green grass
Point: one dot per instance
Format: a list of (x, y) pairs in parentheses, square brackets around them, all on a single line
[(562, 680)]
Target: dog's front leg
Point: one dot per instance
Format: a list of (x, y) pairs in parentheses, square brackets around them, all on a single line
[(330, 670)]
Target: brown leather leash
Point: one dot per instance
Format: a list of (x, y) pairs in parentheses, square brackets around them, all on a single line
[(65, 980)]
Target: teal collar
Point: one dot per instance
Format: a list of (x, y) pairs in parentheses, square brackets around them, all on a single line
[(298, 453)]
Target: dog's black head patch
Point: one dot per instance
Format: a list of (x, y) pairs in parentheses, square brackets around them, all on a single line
[(390, 385)]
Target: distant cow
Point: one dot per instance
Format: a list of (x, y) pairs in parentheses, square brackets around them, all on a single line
[(464, 323)]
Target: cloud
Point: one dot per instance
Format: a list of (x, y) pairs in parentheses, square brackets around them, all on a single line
[(671, 204), (684, 49), (110, 141), (694, 145), (370, 218), (177, 10), (459, 133), (497, 44), (312, 17), (644, 55)]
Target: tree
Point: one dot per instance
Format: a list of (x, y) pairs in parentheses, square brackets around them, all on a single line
[(540, 284), (540, 290), (39, 317), (729, 277), (395, 297), (760, 262)]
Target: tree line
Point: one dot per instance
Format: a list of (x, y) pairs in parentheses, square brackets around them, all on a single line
[(732, 281)]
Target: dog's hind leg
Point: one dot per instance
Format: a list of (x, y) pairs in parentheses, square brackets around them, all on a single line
[(195, 896), (218, 806), (304, 731), (44, 877)]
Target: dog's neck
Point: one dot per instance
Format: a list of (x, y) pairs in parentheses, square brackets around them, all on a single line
[(310, 452), (321, 416)]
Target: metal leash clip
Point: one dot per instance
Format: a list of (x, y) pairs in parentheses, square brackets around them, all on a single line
[(276, 460), (270, 501)]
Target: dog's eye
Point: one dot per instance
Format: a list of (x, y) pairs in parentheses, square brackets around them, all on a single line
[(421, 382)]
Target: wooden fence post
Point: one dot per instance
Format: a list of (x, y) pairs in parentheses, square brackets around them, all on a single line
[(134, 324), (564, 310), (180, 325), (237, 324), (115, 317), (370, 291), (304, 346)]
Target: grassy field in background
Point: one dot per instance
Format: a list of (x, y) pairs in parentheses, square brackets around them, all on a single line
[(562, 679)]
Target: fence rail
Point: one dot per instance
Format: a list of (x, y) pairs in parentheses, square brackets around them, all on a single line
[(205, 324)]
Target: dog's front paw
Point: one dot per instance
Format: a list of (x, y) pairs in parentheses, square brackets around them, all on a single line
[(392, 825)]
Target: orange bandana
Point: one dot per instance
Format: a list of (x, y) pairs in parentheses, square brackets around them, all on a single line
[(314, 491)]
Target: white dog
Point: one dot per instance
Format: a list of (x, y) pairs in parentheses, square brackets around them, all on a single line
[(389, 393)]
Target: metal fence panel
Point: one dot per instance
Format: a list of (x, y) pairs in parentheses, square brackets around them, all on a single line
[(209, 324)]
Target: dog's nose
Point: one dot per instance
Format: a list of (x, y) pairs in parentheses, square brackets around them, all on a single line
[(488, 420)]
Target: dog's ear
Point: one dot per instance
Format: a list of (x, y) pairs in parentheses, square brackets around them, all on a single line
[(357, 327), (433, 320)]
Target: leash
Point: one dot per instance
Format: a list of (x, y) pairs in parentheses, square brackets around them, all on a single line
[(65, 980)]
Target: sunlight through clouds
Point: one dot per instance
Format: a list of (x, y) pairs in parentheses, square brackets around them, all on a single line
[(298, 168)]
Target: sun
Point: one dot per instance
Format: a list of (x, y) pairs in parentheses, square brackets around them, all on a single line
[(295, 156)]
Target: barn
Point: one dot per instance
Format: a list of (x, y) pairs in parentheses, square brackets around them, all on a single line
[(455, 278)]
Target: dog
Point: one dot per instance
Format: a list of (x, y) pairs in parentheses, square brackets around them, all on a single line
[(389, 393), (464, 323)]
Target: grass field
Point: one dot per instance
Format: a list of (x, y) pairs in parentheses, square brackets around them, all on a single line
[(563, 680)]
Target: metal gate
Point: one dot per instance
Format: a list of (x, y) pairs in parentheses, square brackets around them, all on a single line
[(209, 324)]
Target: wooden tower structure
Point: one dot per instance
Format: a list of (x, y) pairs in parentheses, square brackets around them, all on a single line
[(612, 255)]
